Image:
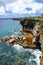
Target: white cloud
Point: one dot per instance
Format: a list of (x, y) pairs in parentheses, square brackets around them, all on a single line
[(20, 6), (17, 7), (36, 7), (2, 11)]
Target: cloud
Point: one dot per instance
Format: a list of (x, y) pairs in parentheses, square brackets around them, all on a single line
[(7, 1), (2, 11), (22, 7), (36, 7)]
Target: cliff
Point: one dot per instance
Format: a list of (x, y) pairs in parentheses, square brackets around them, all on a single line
[(35, 27), (32, 26)]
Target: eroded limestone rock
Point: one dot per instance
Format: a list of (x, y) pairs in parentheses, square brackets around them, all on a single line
[(5, 38)]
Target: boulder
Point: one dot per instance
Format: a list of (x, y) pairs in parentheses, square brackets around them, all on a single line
[(11, 41), (6, 38)]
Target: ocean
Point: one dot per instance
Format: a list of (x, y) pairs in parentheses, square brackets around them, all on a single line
[(7, 26), (15, 55)]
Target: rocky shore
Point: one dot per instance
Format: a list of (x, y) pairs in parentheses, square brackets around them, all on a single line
[(36, 29), (25, 42), (30, 31), (32, 36)]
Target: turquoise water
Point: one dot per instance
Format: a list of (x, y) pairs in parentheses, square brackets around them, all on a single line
[(15, 55), (7, 26)]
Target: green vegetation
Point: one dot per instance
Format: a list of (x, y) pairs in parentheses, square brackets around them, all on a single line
[(40, 18), (34, 18)]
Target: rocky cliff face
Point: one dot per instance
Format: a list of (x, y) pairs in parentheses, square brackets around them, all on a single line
[(29, 25), (32, 26), (41, 42)]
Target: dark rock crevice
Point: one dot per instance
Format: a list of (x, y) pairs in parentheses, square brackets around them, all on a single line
[(32, 26)]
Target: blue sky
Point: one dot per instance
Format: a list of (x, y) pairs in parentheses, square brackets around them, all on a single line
[(20, 8)]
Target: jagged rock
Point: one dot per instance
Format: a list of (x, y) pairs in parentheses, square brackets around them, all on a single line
[(26, 44), (36, 29), (28, 36), (41, 42), (32, 26), (41, 39), (26, 41), (41, 59), (13, 40), (6, 38), (10, 41), (28, 24)]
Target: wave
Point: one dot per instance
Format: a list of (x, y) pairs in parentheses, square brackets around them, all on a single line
[(35, 53), (13, 54)]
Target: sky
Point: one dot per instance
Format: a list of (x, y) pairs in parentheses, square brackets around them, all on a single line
[(20, 8)]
